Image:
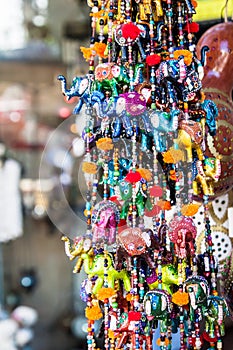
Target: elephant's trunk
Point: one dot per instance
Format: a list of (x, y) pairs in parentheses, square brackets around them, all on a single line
[(63, 84), (67, 246), (204, 50), (69, 93)]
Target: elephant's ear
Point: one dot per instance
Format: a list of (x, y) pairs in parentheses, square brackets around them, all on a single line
[(148, 307), (164, 302), (83, 85)]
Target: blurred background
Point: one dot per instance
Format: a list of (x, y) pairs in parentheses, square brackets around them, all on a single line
[(40, 39)]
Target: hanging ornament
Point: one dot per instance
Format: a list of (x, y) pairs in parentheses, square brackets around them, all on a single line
[(147, 135)]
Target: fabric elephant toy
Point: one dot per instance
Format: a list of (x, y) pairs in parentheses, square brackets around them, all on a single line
[(102, 267)]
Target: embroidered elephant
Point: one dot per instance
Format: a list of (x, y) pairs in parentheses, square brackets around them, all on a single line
[(132, 242), (121, 42), (114, 79), (124, 111), (102, 268), (198, 289), (180, 81), (215, 313), (105, 217), (182, 233), (157, 306), (163, 123), (80, 87), (190, 136), (207, 173), (169, 278), (80, 246), (142, 200)]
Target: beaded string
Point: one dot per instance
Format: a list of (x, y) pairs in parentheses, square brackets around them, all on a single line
[(180, 25), (209, 246)]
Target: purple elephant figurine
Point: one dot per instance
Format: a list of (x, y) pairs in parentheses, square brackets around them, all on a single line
[(105, 217)]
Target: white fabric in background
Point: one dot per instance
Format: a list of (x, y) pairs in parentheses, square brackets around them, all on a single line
[(11, 221)]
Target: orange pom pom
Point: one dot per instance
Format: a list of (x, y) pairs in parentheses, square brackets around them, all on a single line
[(104, 144), (145, 173), (105, 293), (93, 313), (100, 49), (188, 56), (89, 168), (190, 209), (180, 298), (87, 52)]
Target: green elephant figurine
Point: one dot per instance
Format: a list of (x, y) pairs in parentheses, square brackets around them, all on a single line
[(97, 268), (215, 314), (169, 277)]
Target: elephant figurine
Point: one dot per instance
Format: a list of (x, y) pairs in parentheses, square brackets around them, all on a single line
[(163, 123), (122, 109), (124, 165), (180, 81), (114, 78), (125, 194), (122, 41), (190, 136), (105, 217), (132, 242), (182, 233), (208, 172), (80, 87), (169, 277), (80, 246), (102, 267), (214, 315), (198, 289), (149, 7), (157, 306)]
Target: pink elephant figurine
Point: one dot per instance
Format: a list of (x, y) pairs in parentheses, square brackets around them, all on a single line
[(182, 232), (105, 217)]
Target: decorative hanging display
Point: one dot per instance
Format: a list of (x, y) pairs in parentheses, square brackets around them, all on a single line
[(146, 131)]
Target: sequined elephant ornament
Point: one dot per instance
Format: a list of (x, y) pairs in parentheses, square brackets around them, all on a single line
[(102, 267), (215, 313), (198, 289), (182, 233), (105, 217), (169, 278), (132, 242), (80, 87), (80, 246), (208, 173), (157, 306)]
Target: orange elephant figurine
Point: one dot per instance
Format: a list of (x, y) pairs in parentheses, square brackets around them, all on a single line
[(217, 86)]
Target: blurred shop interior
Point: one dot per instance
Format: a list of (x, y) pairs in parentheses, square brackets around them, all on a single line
[(40, 39)]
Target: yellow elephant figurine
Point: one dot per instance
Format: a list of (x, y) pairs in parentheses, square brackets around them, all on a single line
[(208, 173), (190, 136)]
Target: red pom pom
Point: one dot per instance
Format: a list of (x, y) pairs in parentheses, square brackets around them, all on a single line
[(156, 191), (192, 27), (130, 30), (133, 176), (134, 316), (152, 60)]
